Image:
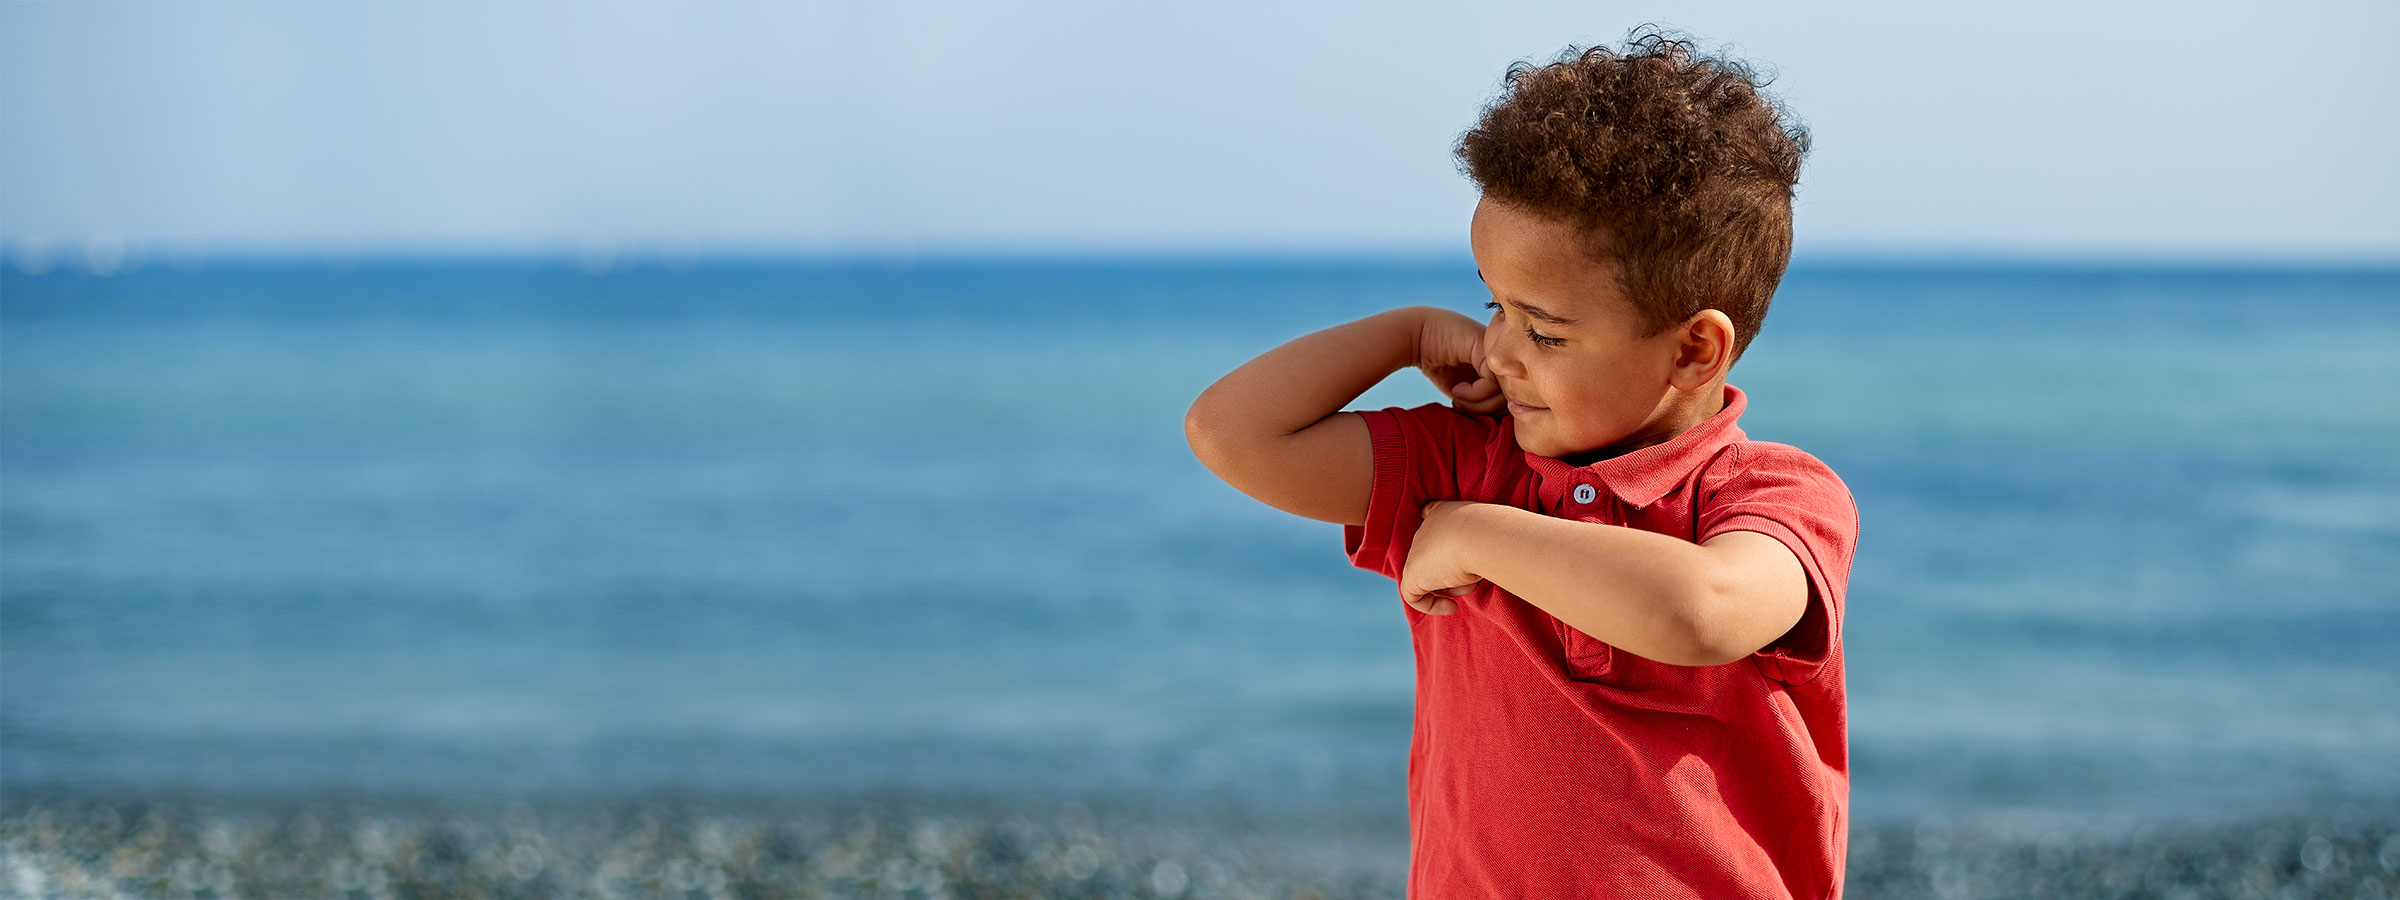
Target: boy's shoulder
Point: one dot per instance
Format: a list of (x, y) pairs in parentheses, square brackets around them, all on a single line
[(1746, 455), (1783, 484), (1748, 471), (1462, 441), (1442, 415)]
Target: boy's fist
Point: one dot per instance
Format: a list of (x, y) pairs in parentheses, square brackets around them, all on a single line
[(1450, 353), (1435, 578)]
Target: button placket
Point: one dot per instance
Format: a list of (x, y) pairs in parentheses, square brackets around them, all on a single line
[(1586, 658)]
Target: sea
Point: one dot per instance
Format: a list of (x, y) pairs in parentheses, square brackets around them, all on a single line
[(813, 528)]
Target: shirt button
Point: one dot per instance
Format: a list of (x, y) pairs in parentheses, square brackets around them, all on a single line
[(1584, 493)]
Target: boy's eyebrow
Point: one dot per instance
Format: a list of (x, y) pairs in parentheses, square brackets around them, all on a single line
[(1532, 310)]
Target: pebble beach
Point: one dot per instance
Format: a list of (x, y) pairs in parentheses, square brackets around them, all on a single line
[(904, 847)]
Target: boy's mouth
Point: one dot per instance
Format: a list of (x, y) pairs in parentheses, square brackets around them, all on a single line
[(1516, 408)]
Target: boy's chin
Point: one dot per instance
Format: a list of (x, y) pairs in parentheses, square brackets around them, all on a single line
[(1533, 443), (1540, 445)]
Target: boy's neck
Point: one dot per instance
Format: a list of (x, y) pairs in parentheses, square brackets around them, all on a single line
[(1678, 412)]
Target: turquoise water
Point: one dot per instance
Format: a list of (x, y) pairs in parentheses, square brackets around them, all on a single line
[(2131, 536)]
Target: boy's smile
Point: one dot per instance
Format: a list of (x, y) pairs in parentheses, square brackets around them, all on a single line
[(1564, 345)]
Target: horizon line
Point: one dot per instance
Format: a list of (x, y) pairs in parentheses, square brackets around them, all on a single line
[(106, 258)]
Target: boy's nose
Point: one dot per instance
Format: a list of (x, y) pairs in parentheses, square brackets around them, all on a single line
[(1498, 356)]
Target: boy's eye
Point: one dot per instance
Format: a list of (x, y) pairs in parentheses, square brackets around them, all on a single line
[(1538, 337)]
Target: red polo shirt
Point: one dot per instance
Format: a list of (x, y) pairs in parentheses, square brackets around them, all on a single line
[(1547, 764)]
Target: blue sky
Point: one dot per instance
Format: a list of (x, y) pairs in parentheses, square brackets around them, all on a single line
[(2184, 130)]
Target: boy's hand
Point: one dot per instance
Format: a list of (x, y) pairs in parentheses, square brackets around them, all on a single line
[(1450, 353), (1435, 571)]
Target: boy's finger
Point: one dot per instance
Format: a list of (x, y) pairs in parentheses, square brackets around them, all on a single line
[(1433, 604), (1481, 396)]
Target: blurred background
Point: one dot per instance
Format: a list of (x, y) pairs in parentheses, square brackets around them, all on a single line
[(740, 401)]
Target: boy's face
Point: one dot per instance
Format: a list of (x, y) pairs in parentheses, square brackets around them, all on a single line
[(1573, 386)]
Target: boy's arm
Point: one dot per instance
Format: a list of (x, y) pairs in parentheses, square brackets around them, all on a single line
[(1274, 428), (1655, 596)]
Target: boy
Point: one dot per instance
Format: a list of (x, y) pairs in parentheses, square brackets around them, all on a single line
[(1627, 616)]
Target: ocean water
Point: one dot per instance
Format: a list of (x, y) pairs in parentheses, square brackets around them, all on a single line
[(2130, 541)]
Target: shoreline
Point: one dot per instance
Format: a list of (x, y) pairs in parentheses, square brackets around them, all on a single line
[(897, 844)]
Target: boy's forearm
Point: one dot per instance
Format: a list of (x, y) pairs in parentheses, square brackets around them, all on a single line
[(1628, 588), (1310, 377)]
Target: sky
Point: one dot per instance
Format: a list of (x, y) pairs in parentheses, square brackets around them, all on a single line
[(2198, 130)]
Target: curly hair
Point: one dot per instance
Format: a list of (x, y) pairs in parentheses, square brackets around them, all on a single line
[(1673, 166)]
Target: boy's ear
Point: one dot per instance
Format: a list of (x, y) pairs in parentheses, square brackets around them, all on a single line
[(1703, 349)]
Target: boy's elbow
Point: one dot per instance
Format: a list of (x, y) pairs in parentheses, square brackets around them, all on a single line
[(1705, 653), (1707, 641), (1729, 625), (1732, 616), (1219, 449), (1215, 432), (1202, 433), (1703, 646)]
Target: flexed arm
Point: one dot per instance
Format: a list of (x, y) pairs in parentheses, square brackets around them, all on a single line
[(1273, 428)]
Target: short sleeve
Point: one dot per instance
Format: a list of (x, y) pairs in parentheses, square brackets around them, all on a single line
[(1422, 454), (1784, 493)]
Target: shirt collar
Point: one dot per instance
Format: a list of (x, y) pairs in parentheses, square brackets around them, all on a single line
[(1641, 477)]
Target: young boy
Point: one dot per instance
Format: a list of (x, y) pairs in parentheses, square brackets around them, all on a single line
[(1627, 616)]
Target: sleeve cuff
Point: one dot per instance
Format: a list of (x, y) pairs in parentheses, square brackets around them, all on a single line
[(1388, 525)]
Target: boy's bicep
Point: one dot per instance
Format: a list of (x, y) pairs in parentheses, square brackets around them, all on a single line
[(1332, 469), (1323, 472)]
